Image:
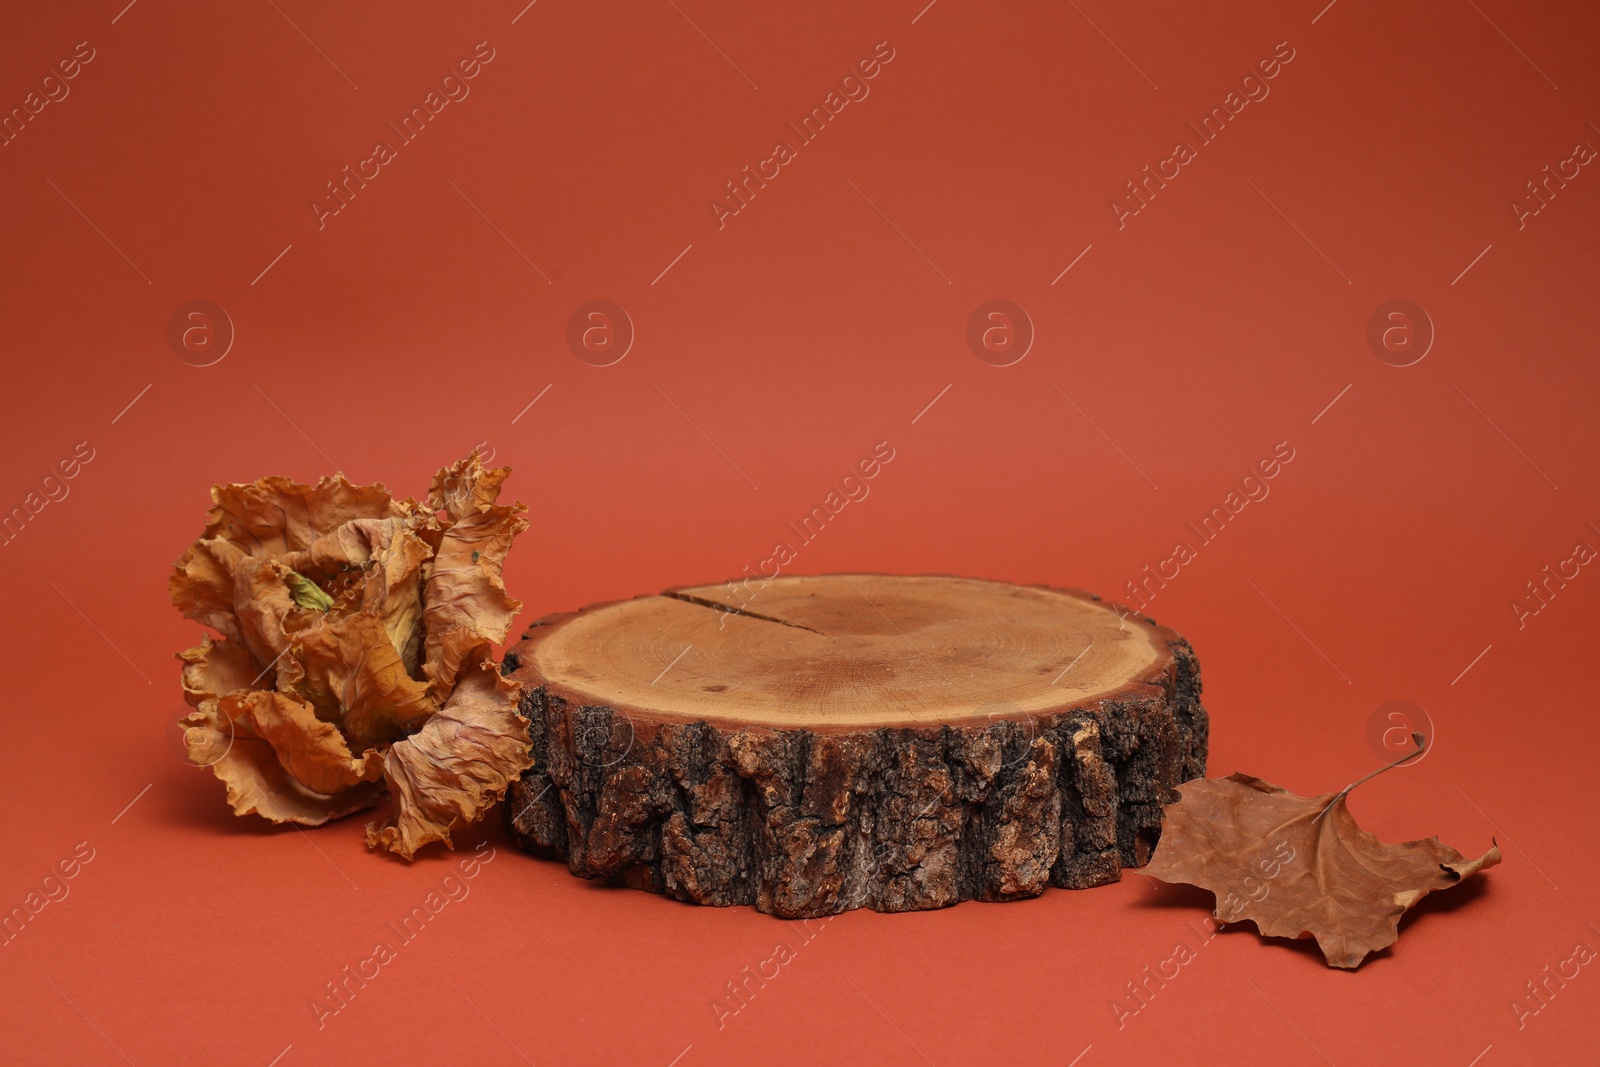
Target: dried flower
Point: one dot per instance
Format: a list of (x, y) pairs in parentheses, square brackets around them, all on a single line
[(356, 653)]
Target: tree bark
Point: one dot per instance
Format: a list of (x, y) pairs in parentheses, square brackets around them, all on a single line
[(814, 744)]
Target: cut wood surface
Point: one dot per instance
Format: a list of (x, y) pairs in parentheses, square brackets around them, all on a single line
[(813, 744)]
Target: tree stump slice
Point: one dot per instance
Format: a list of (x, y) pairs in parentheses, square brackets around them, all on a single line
[(808, 745)]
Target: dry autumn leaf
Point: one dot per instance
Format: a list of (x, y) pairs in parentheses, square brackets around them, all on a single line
[(1301, 866), (356, 656)]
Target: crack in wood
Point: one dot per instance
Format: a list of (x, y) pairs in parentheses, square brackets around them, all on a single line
[(730, 610)]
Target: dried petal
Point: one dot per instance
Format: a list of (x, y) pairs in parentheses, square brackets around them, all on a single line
[(244, 739), (217, 668), (466, 600), (275, 516), (462, 761), (201, 585), (466, 487), (265, 606), (313, 752), (352, 674)]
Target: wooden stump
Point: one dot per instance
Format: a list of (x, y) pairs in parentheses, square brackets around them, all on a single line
[(814, 744)]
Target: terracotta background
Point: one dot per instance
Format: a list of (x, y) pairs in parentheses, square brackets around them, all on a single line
[(1229, 315)]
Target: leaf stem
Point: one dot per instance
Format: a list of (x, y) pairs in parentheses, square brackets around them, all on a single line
[(1422, 745)]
